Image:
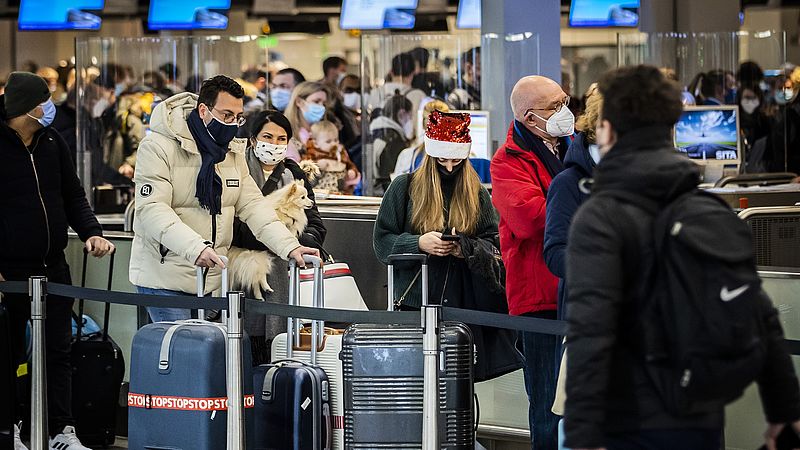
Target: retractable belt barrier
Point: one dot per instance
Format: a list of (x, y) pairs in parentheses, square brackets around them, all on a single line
[(37, 288), (471, 317)]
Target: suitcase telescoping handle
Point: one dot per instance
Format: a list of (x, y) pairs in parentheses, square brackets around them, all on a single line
[(413, 257), (201, 285), (293, 324), (107, 311)]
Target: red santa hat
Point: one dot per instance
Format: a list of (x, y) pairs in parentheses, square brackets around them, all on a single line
[(447, 135)]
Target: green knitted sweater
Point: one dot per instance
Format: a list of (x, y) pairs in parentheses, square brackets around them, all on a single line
[(394, 234)]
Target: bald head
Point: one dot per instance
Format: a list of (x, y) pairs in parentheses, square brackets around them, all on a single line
[(535, 92)]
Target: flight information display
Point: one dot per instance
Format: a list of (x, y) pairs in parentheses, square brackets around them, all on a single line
[(59, 15), (188, 14), (378, 14), (604, 13), (469, 14), (708, 134)]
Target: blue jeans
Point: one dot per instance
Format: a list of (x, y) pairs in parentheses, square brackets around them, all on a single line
[(165, 314), (539, 351)]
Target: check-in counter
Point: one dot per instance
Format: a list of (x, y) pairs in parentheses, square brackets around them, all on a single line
[(758, 196)]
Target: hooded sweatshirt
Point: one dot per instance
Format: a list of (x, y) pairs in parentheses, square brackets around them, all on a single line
[(608, 390)]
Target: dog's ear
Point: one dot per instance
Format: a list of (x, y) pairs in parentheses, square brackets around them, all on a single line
[(292, 189)]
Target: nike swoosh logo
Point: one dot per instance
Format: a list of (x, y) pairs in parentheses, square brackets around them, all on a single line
[(725, 295)]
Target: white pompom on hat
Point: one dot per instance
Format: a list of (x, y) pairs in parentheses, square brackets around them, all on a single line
[(448, 136)]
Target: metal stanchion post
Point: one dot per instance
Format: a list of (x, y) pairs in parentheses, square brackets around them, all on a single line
[(430, 350), (236, 435), (39, 435)]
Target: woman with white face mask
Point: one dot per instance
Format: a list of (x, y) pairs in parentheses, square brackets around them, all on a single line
[(271, 169), (753, 120)]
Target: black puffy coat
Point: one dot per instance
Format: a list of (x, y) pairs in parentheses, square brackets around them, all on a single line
[(608, 391), (41, 197)]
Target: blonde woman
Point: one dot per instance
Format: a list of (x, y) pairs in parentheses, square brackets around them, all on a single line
[(443, 211), (307, 106)]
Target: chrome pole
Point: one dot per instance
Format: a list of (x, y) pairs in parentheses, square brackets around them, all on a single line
[(236, 434), (39, 436), (430, 351)]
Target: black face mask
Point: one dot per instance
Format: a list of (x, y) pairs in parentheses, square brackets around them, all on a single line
[(222, 133), (448, 176)]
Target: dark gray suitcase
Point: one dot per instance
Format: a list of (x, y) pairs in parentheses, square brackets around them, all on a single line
[(383, 386)]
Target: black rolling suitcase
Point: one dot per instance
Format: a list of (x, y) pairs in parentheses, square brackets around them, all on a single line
[(292, 397), (97, 371), (383, 385)]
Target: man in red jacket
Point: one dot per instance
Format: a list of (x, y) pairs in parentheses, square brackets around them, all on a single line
[(522, 170)]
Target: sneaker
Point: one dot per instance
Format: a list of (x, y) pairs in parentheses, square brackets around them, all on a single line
[(67, 440), (18, 445)]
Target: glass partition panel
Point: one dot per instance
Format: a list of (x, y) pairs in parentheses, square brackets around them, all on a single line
[(403, 74), (118, 83), (726, 68), (744, 419)]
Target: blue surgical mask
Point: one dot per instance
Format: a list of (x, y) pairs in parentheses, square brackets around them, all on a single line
[(222, 133), (783, 96), (49, 115), (119, 88), (313, 113), (280, 98)]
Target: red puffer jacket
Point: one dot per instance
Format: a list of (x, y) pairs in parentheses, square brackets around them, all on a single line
[(519, 192)]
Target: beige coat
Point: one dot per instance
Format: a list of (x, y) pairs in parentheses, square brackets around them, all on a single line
[(168, 214)]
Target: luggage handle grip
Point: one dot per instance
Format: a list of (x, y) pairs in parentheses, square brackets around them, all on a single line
[(200, 274), (418, 257), (293, 324)]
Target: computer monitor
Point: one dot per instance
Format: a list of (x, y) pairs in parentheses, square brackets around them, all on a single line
[(59, 15), (709, 135), (479, 132), (188, 14), (604, 13), (378, 14), (469, 14)]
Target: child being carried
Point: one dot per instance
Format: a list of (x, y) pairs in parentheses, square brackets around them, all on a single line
[(339, 173)]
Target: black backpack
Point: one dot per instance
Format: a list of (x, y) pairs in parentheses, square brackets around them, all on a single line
[(701, 306)]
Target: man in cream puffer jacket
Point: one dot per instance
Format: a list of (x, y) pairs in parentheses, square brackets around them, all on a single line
[(173, 233)]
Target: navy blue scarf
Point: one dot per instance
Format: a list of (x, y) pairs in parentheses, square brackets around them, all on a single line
[(209, 184), (533, 143)]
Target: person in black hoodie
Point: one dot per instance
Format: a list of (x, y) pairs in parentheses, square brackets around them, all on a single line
[(611, 402), (42, 196)]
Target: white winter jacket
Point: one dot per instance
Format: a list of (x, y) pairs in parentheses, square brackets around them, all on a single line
[(171, 229)]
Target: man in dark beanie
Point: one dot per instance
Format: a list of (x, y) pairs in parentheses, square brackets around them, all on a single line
[(41, 197)]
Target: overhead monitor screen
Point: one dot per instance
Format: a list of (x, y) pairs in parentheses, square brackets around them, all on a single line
[(378, 14), (709, 133), (59, 15), (188, 14), (469, 14), (604, 13)]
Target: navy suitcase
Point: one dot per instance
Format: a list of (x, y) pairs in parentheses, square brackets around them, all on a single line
[(383, 385), (178, 392), (292, 402)]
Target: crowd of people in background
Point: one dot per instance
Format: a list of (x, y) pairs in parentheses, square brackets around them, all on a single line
[(434, 202), (117, 101)]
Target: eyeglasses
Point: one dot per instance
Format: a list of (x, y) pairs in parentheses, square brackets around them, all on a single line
[(230, 119), (558, 107)]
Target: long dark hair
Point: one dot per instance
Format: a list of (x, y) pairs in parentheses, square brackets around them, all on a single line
[(270, 116)]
